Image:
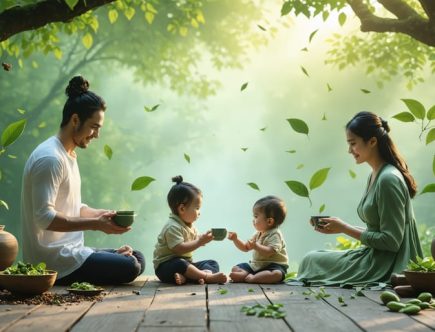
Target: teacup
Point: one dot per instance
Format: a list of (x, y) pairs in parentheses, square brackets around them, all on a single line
[(124, 218), (219, 233), (316, 222)]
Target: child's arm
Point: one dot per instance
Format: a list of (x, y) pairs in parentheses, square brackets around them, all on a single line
[(237, 242), (262, 249), (184, 247)]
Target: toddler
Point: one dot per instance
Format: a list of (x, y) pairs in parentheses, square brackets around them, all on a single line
[(269, 259), (179, 238)]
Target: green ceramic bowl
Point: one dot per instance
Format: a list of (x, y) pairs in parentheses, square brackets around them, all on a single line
[(124, 218), (219, 233)]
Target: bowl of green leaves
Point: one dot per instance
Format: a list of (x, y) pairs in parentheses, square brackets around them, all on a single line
[(84, 288), (420, 274), (25, 278)]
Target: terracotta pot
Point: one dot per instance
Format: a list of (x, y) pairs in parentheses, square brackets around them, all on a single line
[(8, 248), (433, 248)]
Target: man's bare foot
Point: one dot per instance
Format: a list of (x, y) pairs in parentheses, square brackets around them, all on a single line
[(179, 279), (215, 278), (238, 276)]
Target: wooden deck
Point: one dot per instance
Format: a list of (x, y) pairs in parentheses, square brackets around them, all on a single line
[(148, 305)]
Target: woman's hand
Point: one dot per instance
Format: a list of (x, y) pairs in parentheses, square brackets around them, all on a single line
[(332, 225)]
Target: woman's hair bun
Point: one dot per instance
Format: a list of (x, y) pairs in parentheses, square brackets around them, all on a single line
[(177, 179), (77, 86), (385, 125)]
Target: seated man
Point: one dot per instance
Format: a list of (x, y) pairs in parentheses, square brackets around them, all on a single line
[(53, 216)]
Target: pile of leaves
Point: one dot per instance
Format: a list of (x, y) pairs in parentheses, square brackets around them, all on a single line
[(269, 311), (27, 269), (47, 298), (426, 264), (83, 286)]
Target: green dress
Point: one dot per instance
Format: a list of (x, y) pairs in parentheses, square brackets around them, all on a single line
[(389, 241)]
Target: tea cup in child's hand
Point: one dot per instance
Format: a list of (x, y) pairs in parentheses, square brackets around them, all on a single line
[(219, 233)]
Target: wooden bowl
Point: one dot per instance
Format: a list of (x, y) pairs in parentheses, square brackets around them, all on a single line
[(421, 281), (27, 284)]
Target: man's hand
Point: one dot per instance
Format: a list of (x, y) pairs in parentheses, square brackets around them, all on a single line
[(106, 225)]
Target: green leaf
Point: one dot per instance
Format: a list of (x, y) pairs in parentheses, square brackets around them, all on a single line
[(71, 3), (365, 90), (141, 182), (244, 149), (433, 166), (319, 178), (342, 18), (324, 117), (304, 71), (415, 107), (261, 27), (21, 111), (263, 129), (430, 137), (244, 86), (322, 208), (299, 126), (328, 86), (304, 49), (149, 16), (113, 15), (298, 188), (12, 132), (352, 174), (431, 113), (253, 186), (87, 40), (42, 124), (404, 117), (300, 166), (223, 291), (187, 157), (4, 204), (108, 151), (291, 151), (430, 188), (286, 8), (151, 109), (312, 34), (12, 156), (129, 13)]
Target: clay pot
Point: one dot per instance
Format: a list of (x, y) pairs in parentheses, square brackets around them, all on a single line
[(433, 248), (8, 248)]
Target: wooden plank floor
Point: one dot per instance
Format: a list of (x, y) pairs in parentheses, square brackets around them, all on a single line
[(148, 305)]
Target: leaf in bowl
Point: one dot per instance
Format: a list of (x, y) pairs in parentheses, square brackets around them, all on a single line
[(426, 264)]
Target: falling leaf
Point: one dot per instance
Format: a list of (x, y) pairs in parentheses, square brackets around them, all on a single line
[(108, 151), (187, 157), (244, 86), (12, 156), (12, 132), (141, 183), (430, 137), (41, 125), (4, 204), (21, 111), (261, 27), (291, 151), (319, 178), (304, 49), (263, 129), (430, 188), (298, 188), (322, 208), (299, 126), (151, 109), (304, 71), (352, 174), (300, 166), (312, 35), (365, 90), (328, 87), (324, 117), (404, 117), (253, 186), (244, 149), (6, 66)]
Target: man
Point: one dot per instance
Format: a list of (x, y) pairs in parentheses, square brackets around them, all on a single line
[(53, 216)]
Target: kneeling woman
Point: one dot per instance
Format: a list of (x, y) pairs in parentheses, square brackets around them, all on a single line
[(390, 239)]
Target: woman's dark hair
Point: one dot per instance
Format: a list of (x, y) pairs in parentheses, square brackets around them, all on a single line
[(80, 101), (272, 207), (181, 193), (367, 125)]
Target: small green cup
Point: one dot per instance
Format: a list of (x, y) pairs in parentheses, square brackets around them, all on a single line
[(316, 222), (219, 233), (124, 218)]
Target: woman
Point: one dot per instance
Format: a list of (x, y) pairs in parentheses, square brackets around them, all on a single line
[(391, 238)]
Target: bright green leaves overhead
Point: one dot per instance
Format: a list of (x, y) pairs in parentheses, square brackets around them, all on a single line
[(12, 132), (141, 183), (299, 126), (253, 186), (317, 179), (87, 40), (404, 117), (71, 3), (112, 15), (416, 108)]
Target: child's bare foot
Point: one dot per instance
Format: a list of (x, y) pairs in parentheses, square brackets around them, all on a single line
[(201, 281), (215, 278), (179, 279), (238, 276)]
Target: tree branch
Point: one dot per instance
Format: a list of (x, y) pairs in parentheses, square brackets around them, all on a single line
[(429, 8), (33, 16), (399, 8), (412, 25)]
